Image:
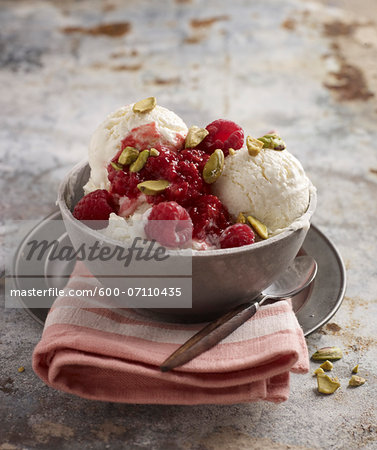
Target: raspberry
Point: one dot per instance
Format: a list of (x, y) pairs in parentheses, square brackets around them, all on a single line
[(236, 235), (195, 156), (186, 181), (169, 224), (209, 217), (124, 182), (190, 183), (162, 166), (98, 205), (223, 134)]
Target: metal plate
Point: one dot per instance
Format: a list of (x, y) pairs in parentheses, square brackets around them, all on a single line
[(313, 307)]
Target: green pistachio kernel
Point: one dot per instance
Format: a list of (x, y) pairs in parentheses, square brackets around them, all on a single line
[(153, 187), (128, 156), (254, 146), (330, 353), (195, 135), (259, 227), (214, 166), (153, 152), (355, 380), (137, 165), (241, 218), (145, 105), (116, 166), (272, 141), (327, 385), (327, 365)]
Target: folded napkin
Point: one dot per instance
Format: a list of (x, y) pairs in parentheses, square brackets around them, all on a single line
[(114, 354)]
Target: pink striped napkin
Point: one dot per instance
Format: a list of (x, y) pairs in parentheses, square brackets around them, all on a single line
[(114, 355)]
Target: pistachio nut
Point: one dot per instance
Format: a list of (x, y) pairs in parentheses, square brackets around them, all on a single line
[(128, 156), (214, 166), (318, 371), (327, 385), (140, 162), (254, 146), (272, 141), (145, 105), (153, 152), (231, 151), (356, 381), (241, 218), (259, 227), (195, 135), (116, 166), (355, 369), (330, 353), (153, 187), (327, 365)]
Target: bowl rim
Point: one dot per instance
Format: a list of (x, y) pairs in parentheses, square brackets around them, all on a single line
[(305, 218)]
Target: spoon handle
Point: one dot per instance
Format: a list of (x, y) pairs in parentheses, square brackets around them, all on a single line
[(212, 334)]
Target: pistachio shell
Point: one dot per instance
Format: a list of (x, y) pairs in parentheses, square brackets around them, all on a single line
[(241, 218), (128, 156), (195, 135), (356, 381), (214, 166), (145, 105), (254, 146), (327, 365), (231, 151), (355, 369), (330, 353), (272, 141), (259, 227), (116, 166), (327, 385), (137, 165), (153, 152), (153, 187)]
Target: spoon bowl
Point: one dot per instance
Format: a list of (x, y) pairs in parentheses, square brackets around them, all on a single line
[(296, 278)]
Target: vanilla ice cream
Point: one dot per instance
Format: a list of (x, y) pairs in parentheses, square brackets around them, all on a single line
[(126, 229), (271, 186), (107, 139)]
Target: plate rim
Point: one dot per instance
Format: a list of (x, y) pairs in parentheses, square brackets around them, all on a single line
[(342, 285)]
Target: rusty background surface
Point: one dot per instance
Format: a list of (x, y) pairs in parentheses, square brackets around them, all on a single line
[(306, 68)]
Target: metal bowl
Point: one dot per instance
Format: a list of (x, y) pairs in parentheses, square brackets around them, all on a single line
[(221, 278)]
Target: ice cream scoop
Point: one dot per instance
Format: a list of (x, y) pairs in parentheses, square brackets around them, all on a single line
[(271, 186), (159, 124)]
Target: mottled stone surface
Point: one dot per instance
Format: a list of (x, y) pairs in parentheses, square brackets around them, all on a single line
[(305, 68)]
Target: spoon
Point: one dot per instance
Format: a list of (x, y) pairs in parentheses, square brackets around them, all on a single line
[(296, 278)]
